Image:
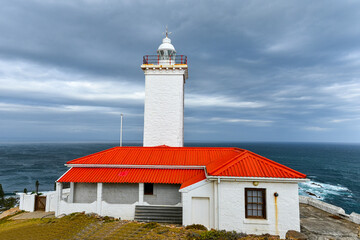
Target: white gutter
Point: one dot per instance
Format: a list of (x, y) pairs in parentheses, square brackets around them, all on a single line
[(260, 179)]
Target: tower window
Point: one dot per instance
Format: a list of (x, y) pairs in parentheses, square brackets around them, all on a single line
[(255, 203), (148, 188)]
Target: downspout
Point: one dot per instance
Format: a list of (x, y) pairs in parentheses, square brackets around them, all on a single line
[(215, 204), (218, 204)]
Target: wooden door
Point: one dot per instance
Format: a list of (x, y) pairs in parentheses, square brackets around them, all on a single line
[(40, 203)]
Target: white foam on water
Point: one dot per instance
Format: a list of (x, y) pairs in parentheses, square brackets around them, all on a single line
[(322, 190)]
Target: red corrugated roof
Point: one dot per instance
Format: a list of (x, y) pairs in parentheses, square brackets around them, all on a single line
[(230, 162), (129, 175)]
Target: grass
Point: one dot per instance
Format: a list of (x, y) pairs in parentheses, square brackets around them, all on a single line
[(82, 226)]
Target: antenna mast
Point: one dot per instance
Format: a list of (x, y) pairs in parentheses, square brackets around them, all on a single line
[(121, 129)]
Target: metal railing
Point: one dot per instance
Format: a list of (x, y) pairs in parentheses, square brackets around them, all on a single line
[(164, 60)]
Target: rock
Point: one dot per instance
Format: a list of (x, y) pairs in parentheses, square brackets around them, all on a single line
[(295, 235), (9, 212)]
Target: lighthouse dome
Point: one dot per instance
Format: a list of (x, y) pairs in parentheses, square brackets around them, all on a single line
[(166, 45)]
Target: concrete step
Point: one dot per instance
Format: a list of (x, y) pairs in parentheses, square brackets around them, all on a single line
[(162, 214)]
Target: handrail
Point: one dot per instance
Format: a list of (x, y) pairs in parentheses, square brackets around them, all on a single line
[(164, 60)]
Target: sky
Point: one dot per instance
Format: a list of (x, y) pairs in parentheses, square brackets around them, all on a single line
[(259, 71)]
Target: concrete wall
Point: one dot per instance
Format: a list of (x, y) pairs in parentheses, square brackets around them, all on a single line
[(353, 217), (85, 192), (231, 213), (164, 107), (164, 194), (124, 193)]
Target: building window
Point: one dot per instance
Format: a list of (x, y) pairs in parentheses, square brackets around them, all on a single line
[(148, 188), (255, 203)]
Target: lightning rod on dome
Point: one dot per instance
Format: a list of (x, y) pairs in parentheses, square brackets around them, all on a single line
[(167, 33)]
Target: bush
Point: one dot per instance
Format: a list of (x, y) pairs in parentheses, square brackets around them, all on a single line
[(9, 202), (151, 225), (217, 235), (196, 226)]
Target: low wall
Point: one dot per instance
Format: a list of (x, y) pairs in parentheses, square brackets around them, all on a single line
[(27, 202), (68, 208), (122, 211), (51, 201), (353, 217)]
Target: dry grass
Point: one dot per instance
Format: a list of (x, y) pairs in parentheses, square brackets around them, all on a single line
[(81, 226)]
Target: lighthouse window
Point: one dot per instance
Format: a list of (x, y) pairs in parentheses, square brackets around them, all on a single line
[(255, 203)]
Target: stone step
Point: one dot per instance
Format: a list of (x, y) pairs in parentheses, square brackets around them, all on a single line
[(162, 214)]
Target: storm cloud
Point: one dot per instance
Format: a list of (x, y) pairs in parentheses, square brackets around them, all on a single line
[(258, 70)]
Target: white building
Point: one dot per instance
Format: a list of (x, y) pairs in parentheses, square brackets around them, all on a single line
[(222, 188)]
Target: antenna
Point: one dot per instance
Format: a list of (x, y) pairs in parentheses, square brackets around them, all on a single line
[(121, 129)]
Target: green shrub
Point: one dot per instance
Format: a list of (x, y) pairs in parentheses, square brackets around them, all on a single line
[(151, 225), (196, 226), (216, 235), (9, 202)]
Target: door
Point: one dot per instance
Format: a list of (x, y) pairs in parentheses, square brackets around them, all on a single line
[(200, 211), (40, 203)]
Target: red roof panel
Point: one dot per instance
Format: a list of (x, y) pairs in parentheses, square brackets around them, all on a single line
[(129, 175), (249, 164)]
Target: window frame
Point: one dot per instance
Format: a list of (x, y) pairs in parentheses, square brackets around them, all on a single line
[(263, 191)]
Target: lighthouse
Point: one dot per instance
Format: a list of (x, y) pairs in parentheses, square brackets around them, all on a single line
[(165, 75)]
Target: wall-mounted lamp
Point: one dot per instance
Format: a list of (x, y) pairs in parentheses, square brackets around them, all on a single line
[(255, 183), (276, 194)]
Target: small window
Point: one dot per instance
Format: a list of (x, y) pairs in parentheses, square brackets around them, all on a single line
[(255, 203), (148, 188)]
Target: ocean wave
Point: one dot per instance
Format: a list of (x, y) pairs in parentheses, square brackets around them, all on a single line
[(322, 190)]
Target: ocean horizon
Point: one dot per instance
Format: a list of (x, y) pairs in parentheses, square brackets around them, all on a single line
[(332, 168)]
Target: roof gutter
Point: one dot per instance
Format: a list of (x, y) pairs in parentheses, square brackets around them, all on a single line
[(259, 179)]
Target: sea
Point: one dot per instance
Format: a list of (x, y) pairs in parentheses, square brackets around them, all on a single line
[(333, 169)]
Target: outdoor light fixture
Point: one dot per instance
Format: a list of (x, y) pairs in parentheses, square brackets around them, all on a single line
[(255, 183), (276, 194)]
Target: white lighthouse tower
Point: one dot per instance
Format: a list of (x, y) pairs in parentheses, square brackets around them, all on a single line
[(165, 75)]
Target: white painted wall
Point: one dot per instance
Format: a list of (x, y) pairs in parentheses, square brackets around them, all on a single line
[(202, 189), (122, 211), (164, 107), (67, 208), (51, 201), (232, 206), (26, 202)]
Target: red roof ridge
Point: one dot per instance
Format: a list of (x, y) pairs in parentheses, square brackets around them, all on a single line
[(225, 164)]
